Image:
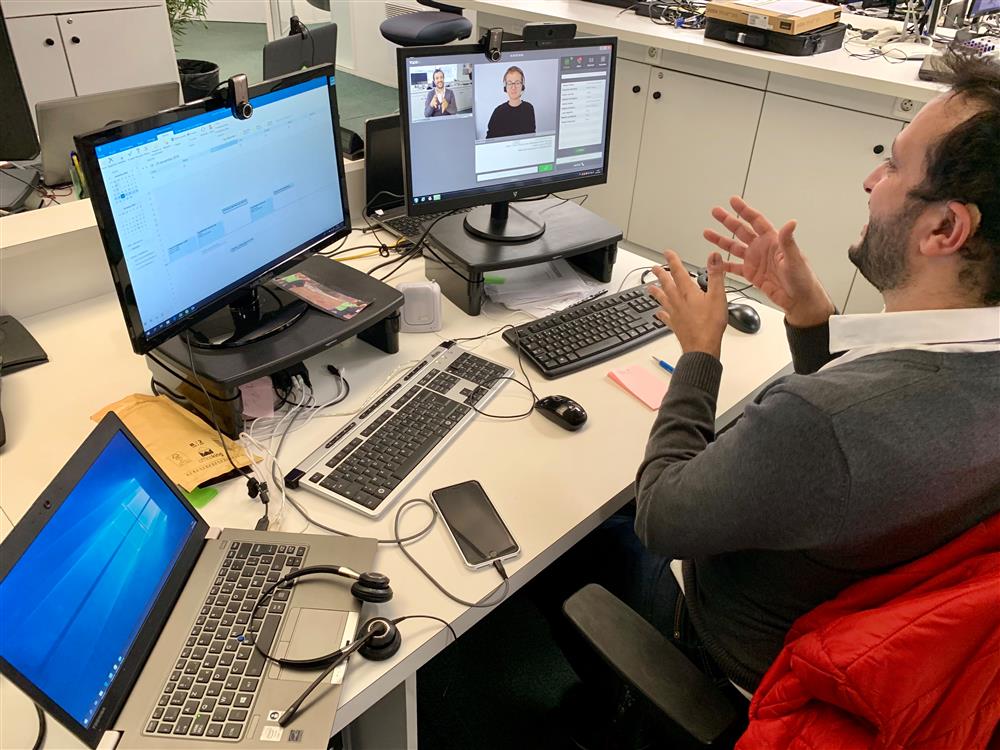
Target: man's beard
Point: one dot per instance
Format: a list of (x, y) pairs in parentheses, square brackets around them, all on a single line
[(881, 254)]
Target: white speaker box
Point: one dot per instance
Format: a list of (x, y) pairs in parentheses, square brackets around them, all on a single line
[(421, 311)]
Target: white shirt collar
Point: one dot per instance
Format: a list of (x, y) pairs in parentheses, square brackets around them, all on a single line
[(964, 330)]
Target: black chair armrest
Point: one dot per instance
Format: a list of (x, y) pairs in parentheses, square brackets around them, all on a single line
[(446, 7), (643, 657)]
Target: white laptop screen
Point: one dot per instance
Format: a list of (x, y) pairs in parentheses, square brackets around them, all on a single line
[(75, 601)]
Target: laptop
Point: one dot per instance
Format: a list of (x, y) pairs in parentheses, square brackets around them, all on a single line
[(61, 119), (124, 612), (384, 201)]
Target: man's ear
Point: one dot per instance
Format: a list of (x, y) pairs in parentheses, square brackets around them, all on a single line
[(953, 224)]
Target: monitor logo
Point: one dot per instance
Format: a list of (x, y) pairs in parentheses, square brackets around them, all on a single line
[(515, 193)]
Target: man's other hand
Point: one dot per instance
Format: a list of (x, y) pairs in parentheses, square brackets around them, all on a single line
[(772, 262), (444, 106), (697, 318), (434, 102)]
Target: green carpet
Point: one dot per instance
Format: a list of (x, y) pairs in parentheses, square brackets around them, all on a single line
[(237, 48)]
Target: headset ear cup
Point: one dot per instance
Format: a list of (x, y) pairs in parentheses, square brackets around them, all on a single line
[(384, 639), (372, 588)]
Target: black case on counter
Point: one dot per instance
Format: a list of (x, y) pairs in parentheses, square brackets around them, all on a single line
[(812, 42)]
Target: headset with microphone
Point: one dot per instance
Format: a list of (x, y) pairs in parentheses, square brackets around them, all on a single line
[(377, 639), (520, 72)]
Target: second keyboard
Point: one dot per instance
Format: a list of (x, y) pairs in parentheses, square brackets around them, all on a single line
[(581, 336)]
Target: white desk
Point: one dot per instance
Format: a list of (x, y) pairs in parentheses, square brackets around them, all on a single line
[(837, 68), (550, 486)]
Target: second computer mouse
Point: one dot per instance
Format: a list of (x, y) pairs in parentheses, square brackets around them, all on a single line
[(562, 410), (743, 318)]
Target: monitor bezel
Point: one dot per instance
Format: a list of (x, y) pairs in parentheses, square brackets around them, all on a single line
[(28, 528), (86, 145), (975, 14), (493, 195)]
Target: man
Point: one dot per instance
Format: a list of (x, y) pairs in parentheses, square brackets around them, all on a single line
[(440, 101), (515, 116), (884, 446)]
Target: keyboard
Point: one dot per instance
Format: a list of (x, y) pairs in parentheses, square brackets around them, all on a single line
[(413, 226), (211, 690), (584, 335), (370, 461)]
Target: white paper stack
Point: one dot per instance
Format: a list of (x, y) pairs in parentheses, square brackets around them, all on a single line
[(540, 289)]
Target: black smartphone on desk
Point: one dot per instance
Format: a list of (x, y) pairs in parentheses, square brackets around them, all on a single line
[(474, 524)]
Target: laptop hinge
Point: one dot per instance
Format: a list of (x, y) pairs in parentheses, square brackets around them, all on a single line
[(109, 740), (213, 532)]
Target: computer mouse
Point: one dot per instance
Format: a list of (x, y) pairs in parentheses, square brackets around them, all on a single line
[(562, 410), (743, 318)]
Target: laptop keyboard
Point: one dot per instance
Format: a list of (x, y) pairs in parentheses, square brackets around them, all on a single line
[(413, 226), (211, 689)]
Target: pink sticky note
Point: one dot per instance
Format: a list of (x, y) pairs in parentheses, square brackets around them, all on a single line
[(258, 398), (648, 387)]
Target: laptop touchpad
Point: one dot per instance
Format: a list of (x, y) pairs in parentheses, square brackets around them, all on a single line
[(314, 632)]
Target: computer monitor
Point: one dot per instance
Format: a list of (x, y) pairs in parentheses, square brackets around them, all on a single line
[(383, 163), (197, 209), (536, 121), (18, 139), (302, 48), (984, 8)]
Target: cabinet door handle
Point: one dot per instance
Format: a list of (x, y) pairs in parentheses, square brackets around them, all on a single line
[(636, 89), (75, 39), (879, 149), (657, 94), (49, 42)]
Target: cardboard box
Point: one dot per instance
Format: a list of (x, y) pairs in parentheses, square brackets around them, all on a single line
[(783, 16)]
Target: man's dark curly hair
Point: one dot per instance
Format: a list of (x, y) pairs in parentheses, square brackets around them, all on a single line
[(964, 166)]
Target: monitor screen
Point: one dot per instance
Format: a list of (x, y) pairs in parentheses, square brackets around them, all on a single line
[(476, 131), (76, 599), (984, 7), (196, 209)]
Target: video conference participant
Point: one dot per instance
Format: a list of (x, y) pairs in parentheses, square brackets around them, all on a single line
[(879, 450), (440, 100), (515, 116)]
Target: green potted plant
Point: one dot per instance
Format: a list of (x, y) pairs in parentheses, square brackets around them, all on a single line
[(198, 77)]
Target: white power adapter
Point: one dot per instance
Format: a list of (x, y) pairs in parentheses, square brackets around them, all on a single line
[(421, 311)]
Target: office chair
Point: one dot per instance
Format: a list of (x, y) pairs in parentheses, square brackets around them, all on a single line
[(429, 27), (654, 667)]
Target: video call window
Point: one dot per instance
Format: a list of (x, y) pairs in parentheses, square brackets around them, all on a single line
[(476, 125), (441, 90)]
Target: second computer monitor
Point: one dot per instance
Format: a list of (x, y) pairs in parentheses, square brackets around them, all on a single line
[(984, 8), (477, 131)]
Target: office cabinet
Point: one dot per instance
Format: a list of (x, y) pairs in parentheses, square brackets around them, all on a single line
[(808, 164), (613, 200), (103, 54), (69, 48), (697, 139), (41, 61)]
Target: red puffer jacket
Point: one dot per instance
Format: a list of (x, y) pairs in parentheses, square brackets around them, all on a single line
[(908, 659)]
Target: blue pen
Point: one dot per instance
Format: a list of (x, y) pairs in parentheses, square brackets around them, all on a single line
[(665, 365)]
